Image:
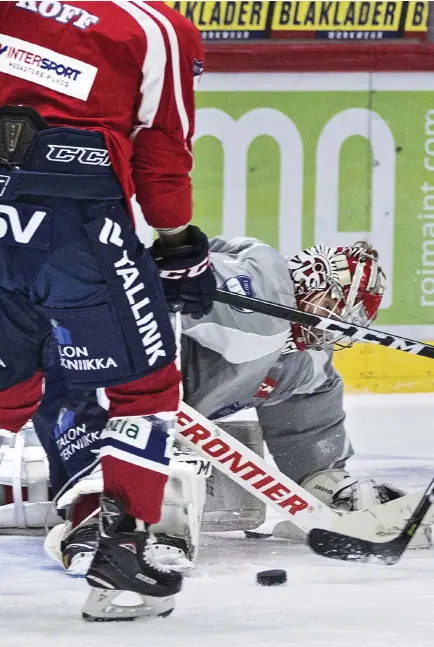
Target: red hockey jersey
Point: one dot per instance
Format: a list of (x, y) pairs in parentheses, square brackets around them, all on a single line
[(124, 68)]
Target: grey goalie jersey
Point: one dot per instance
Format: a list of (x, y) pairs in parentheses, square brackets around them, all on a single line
[(232, 360)]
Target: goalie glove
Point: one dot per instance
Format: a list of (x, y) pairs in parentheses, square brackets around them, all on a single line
[(188, 280)]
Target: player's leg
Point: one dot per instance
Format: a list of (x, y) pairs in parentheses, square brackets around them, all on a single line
[(91, 278), (176, 535), (69, 423), (134, 444), (134, 346), (22, 466)]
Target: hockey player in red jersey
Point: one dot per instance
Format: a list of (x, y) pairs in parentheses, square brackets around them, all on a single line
[(96, 112)]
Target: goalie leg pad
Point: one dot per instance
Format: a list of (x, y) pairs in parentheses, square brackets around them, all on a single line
[(338, 489), (24, 469), (183, 506)]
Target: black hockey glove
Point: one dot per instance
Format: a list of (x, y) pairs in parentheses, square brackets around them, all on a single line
[(188, 280)]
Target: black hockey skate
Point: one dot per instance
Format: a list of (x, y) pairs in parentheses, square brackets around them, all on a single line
[(125, 562), (78, 548)]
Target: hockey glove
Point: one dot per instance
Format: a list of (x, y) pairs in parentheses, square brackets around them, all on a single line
[(188, 280)]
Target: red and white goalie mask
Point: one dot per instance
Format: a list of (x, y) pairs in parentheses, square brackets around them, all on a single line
[(344, 283)]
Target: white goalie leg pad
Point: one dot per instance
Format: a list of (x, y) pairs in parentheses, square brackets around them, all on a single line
[(23, 464), (79, 548), (54, 539), (92, 483), (183, 504), (184, 500), (338, 489)]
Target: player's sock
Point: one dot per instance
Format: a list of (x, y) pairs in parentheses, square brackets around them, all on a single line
[(84, 508)]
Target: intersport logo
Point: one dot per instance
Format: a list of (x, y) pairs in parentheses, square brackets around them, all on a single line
[(46, 67), (30, 58)]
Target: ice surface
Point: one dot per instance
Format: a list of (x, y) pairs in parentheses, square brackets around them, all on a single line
[(324, 603)]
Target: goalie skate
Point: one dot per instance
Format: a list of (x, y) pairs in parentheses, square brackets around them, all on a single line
[(73, 548)]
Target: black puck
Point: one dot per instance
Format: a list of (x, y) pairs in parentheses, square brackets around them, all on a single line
[(271, 578)]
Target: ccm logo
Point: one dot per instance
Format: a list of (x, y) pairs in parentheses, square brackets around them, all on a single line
[(189, 272), (68, 154), (234, 462), (9, 217)]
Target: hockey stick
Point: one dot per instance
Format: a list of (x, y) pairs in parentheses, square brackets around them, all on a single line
[(293, 502), (290, 500), (333, 544), (252, 472), (360, 333)]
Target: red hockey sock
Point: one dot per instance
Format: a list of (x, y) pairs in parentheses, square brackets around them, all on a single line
[(19, 403), (141, 490), (150, 394), (84, 508)]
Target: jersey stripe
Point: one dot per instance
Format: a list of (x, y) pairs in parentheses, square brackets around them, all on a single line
[(154, 64), (176, 68)]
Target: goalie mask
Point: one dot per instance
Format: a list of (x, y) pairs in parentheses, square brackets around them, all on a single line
[(344, 283)]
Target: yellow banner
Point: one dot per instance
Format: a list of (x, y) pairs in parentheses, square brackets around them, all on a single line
[(417, 16), (225, 16), (348, 16)]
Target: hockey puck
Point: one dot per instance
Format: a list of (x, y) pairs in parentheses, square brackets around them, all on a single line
[(271, 578)]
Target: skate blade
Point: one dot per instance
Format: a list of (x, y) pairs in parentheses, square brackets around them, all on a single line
[(101, 606)]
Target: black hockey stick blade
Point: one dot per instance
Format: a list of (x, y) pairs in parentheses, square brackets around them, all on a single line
[(337, 327), (344, 547), (354, 549)]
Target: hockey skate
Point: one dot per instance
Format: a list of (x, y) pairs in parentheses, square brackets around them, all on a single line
[(75, 548), (125, 563)]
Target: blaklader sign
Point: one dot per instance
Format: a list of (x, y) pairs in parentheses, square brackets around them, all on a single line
[(333, 20), (227, 20), (349, 20)]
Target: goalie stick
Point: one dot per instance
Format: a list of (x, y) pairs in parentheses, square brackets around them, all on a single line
[(290, 500), (338, 546), (251, 471), (359, 333)]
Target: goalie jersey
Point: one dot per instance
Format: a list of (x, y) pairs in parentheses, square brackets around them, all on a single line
[(234, 359)]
